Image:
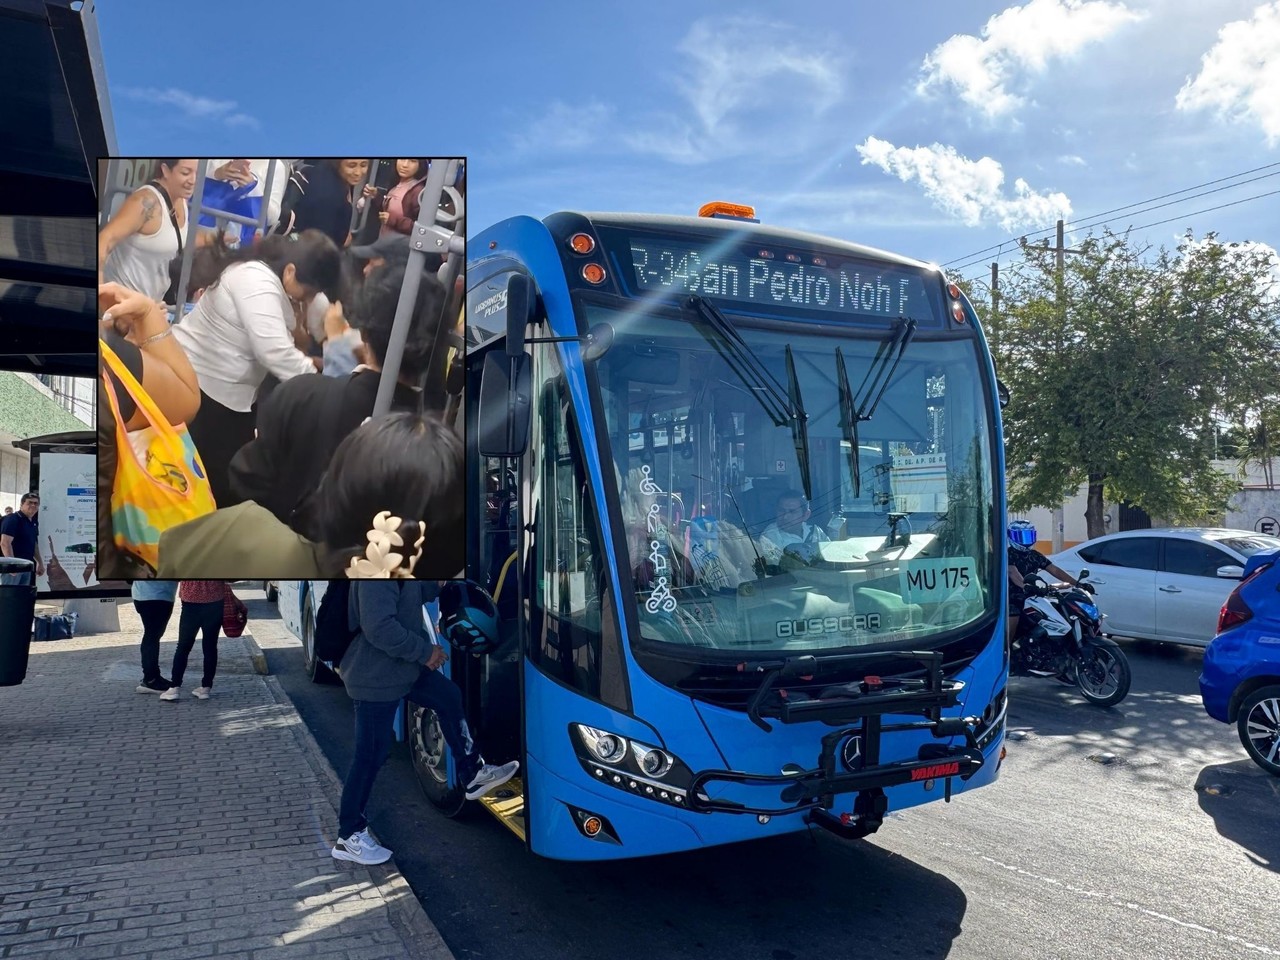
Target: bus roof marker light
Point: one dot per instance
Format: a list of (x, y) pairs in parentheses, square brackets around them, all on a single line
[(722, 208), (593, 273), (957, 311), (582, 243), (953, 291)]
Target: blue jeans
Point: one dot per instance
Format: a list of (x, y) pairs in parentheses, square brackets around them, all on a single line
[(375, 720)]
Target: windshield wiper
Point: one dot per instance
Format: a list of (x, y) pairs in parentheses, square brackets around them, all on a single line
[(851, 412), (849, 424), (903, 331), (785, 405)]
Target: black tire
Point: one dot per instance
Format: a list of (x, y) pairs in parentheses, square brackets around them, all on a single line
[(430, 753), (312, 665), (1258, 724), (1103, 674), (269, 589)]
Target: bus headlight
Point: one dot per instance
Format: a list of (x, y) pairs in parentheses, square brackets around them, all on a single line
[(607, 747), (653, 762), (629, 765)]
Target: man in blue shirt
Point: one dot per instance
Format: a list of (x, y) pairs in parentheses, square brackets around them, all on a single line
[(20, 533)]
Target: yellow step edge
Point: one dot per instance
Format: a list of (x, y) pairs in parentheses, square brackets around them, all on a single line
[(507, 804)]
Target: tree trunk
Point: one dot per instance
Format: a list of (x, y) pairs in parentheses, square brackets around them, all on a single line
[(1093, 507)]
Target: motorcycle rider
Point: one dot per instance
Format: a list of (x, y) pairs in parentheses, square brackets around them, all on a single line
[(1024, 561)]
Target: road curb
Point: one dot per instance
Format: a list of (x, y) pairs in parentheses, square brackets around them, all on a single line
[(421, 938), (256, 656)]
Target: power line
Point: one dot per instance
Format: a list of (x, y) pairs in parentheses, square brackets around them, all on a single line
[(1194, 213), (1081, 222)]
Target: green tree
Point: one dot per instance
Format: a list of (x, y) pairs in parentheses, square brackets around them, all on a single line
[(1123, 366)]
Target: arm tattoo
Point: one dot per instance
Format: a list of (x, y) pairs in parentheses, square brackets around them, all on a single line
[(149, 206)]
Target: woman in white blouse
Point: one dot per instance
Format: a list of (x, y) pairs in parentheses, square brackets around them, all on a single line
[(247, 325)]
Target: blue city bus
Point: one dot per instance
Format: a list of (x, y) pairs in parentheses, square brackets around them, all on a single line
[(737, 494)]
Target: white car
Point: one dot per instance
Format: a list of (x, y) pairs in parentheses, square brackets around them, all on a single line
[(1167, 583)]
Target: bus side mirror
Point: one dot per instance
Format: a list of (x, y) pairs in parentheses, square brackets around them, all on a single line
[(1002, 392), (597, 342), (521, 300), (506, 405)]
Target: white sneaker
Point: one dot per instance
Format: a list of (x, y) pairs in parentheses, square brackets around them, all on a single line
[(490, 777), (202, 693), (171, 693), (360, 848)]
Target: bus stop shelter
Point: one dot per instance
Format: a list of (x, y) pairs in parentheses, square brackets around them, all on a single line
[(56, 123)]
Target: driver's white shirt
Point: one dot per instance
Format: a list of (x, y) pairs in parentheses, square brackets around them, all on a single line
[(775, 540)]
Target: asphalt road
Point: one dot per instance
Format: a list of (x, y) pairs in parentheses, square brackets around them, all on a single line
[(1171, 849)]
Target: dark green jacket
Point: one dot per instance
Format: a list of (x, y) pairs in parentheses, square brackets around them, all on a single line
[(244, 542)]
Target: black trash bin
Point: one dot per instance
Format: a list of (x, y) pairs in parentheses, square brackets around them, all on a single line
[(17, 613)]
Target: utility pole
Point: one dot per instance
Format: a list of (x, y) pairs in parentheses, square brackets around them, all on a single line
[(1060, 290), (995, 308)]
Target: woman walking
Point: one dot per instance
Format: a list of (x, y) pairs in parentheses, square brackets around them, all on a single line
[(201, 613), (137, 244)]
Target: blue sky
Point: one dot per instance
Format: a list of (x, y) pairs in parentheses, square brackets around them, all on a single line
[(931, 128)]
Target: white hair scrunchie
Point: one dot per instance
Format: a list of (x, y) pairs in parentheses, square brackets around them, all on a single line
[(379, 562)]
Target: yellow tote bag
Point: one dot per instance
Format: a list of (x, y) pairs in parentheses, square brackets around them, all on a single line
[(160, 481)]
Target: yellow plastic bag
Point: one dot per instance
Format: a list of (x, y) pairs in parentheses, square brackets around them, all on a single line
[(160, 481)]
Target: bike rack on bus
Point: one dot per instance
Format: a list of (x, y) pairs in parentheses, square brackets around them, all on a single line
[(857, 710)]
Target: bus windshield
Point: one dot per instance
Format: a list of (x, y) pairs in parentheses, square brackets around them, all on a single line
[(873, 526)]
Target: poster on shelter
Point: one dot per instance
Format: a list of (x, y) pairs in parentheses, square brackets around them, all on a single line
[(68, 516)]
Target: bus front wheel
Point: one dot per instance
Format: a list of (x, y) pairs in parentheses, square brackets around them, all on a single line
[(430, 756)]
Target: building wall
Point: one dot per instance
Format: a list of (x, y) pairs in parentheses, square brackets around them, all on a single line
[(1237, 513), (30, 408)]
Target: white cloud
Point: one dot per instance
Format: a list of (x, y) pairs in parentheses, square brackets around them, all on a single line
[(1017, 41), (564, 126), (1073, 160), (192, 106), (964, 188), (736, 86), (1240, 75)]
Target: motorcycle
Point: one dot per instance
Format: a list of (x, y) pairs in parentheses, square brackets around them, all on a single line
[(1060, 635)]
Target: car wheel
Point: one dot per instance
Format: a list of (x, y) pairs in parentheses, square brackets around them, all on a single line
[(1259, 726), (269, 589)]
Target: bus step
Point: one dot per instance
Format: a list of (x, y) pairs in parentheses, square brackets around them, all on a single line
[(507, 804)]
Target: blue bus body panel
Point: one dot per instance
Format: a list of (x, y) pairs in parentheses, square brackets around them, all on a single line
[(555, 781)]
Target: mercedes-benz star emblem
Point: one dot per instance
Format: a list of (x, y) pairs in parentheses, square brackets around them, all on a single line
[(851, 752)]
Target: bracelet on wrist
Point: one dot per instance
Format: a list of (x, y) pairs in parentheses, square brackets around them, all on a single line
[(167, 332)]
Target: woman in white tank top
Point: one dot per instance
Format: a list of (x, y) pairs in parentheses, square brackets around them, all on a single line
[(137, 244)]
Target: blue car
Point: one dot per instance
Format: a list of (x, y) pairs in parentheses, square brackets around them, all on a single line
[(1240, 682)]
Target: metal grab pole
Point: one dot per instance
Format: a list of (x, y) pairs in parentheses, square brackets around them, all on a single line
[(357, 194), (189, 247), (266, 198), (426, 235)]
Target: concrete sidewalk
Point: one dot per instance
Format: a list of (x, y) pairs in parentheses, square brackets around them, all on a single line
[(130, 827)]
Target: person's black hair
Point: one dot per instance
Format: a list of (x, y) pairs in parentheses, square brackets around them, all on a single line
[(410, 464), (165, 163), (31, 495), (373, 312), (790, 495), (314, 256)]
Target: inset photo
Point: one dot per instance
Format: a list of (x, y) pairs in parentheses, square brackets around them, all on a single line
[(280, 368)]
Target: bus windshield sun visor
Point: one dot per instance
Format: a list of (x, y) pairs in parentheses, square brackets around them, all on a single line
[(784, 406)]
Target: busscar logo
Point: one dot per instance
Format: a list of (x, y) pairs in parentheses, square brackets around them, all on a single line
[(936, 770), (818, 626)]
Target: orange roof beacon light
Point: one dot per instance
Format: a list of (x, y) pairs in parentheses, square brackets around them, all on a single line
[(582, 243), (593, 273), (722, 208), (953, 291)]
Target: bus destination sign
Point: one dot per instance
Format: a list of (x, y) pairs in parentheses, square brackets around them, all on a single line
[(773, 279)]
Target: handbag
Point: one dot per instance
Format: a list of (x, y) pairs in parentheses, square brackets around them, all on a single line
[(160, 481), (234, 614)]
